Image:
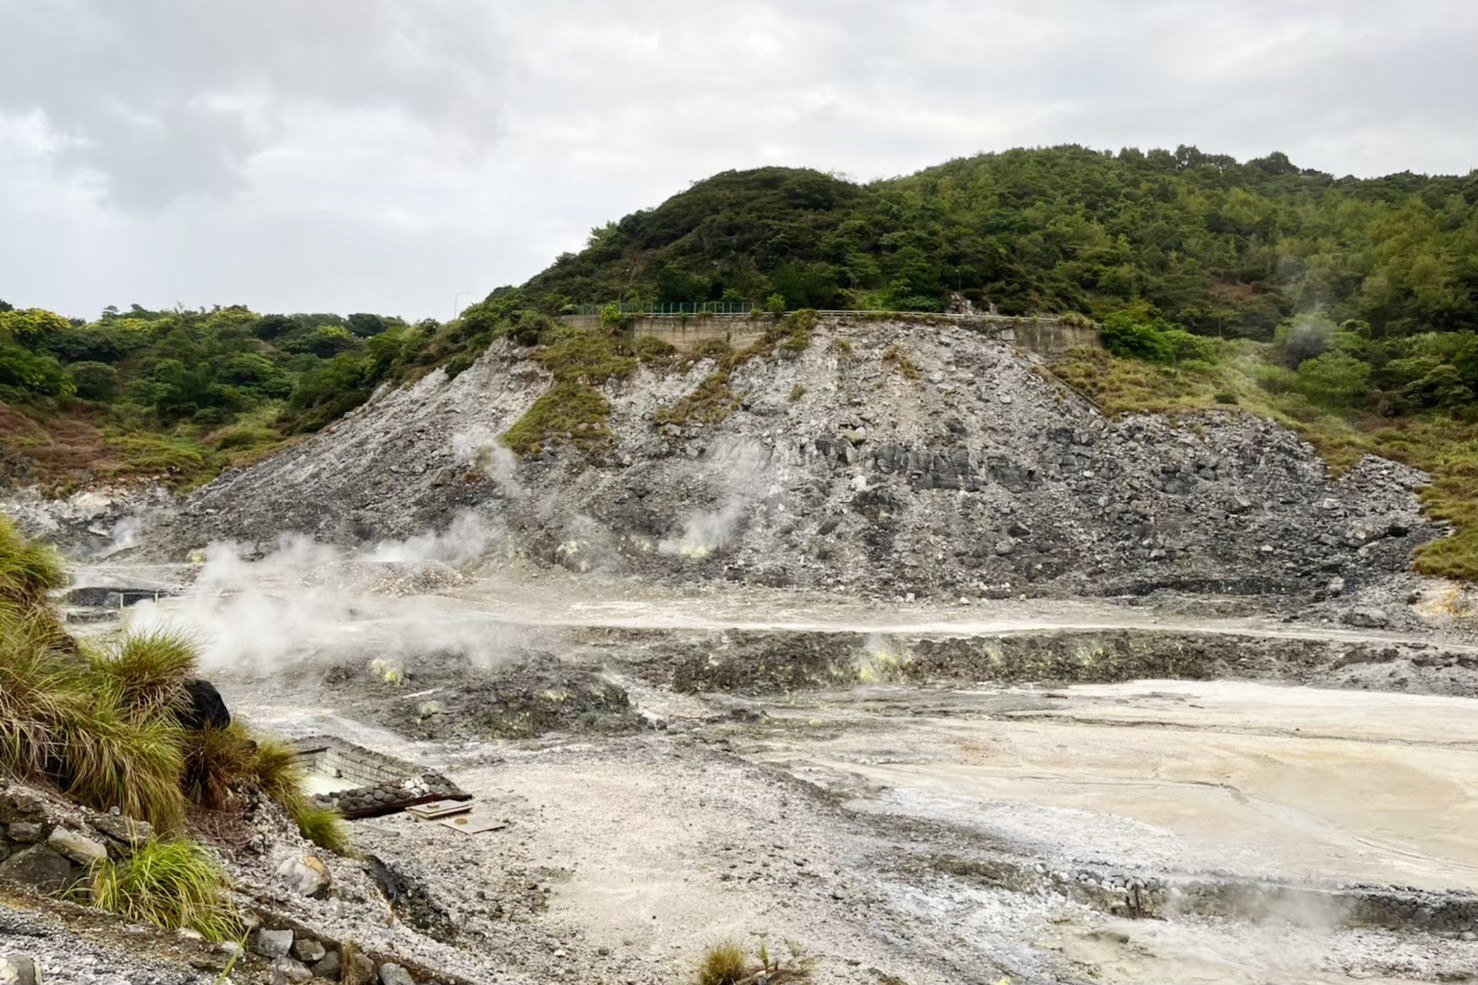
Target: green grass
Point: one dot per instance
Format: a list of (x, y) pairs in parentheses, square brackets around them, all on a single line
[(325, 828), (710, 402), (567, 413), (572, 411), (215, 761), (149, 670), (1443, 447), (173, 884), (178, 461), (27, 571)]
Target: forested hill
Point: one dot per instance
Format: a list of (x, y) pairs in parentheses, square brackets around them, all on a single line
[(1217, 246)]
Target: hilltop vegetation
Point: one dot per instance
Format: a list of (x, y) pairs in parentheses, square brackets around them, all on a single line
[(1213, 245), (1344, 307), (180, 394)]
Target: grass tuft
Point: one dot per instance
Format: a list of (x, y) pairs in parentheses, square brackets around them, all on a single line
[(896, 358), (27, 570), (723, 964), (215, 763), (170, 884), (324, 827), (149, 670), (710, 402)]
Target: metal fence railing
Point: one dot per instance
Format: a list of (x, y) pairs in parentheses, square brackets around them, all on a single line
[(672, 309)]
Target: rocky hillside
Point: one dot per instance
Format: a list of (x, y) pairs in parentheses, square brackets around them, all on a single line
[(866, 456)]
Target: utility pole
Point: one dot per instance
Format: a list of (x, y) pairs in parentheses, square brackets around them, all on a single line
[(456, 303)]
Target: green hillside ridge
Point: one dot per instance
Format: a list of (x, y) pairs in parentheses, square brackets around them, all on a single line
[(1345, 308)]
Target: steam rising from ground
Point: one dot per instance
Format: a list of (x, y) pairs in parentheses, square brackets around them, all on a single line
[(482, 448), (308, 601), (741, 470), (127, 533)]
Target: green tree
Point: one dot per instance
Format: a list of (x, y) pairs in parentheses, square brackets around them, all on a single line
[(1334, 378), (94, 381)]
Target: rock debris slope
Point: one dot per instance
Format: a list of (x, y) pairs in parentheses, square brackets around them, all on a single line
[(881, 459)]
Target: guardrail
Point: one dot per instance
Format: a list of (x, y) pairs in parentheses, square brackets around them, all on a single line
[(745, 308)]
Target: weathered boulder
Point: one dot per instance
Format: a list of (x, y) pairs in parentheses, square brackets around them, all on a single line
[(204, 706), (18, 969), (38, 867), (359, 970), (394, 974), (26, 832), (1366, 617), (76, 846), (17, 805), (308, 950), (328, 966), (124, 830), (305, 875), (290, 970), (273, 943)]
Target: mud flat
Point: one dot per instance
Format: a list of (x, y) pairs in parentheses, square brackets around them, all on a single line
[(921, 794)]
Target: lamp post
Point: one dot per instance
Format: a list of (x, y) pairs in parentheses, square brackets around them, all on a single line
[(456, 303)]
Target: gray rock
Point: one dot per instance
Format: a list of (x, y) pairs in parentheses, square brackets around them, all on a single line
[(124, 830), (1366, 616), (328, 966), (305, 875), (308, 950), (1005, 546), (394, 974), (1336, 586), (290, 970), (18, 969), (20, 806), (360, 970), (75, 846), (39, 868), (26, 832), (273, 943)]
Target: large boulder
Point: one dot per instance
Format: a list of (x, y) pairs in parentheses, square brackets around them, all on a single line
[(39, 868), (305, 875), (203, 707)]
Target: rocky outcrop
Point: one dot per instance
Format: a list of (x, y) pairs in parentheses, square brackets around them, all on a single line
[(974, 474)]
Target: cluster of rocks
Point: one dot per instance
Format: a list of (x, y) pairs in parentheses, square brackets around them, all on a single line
[(980, 477), (391, 795), (300, 957), (49, 850)]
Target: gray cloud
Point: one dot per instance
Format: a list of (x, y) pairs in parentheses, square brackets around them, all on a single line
[(387, 154)]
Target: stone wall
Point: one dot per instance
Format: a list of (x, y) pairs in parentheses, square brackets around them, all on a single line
[(382, 785)]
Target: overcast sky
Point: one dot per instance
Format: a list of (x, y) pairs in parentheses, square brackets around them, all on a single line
[(385, 155)]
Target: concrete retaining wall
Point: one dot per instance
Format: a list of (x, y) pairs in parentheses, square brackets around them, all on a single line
[(1045, 335)]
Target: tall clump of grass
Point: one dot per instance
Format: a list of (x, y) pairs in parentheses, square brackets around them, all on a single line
[(723, 964), (104, 724), (272, 764), (32, 698), (149, 671), (170, 884), (27, 571)]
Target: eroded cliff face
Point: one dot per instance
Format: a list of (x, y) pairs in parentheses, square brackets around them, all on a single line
[(878, 458)]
